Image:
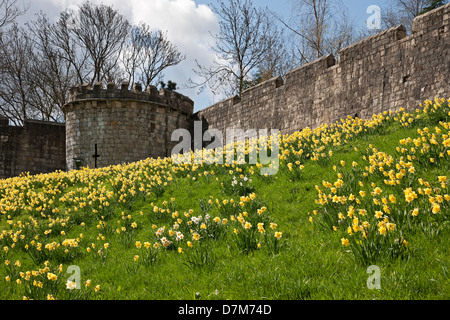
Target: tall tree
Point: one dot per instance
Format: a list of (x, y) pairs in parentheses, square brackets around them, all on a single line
[(62, 39), (101, 33), (93, 44), (244, 38), (402, 12), (13, 106), (52, 74), (433, 4), (147, 54), (319, 27), (16, 85), (35, 81), (278, 60), (9, 11)]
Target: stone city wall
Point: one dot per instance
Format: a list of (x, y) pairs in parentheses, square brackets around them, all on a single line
[(36, 147)]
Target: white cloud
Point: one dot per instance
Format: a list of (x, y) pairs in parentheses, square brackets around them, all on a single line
[(188, 26)]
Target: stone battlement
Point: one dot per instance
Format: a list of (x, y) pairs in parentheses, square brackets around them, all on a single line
[(172, 99)]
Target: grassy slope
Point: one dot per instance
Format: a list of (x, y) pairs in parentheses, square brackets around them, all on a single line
[(311, 263)]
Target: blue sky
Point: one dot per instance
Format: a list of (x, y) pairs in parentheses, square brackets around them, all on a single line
[(188, 24)]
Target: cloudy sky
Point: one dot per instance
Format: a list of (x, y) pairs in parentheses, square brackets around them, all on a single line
[(188, 24)]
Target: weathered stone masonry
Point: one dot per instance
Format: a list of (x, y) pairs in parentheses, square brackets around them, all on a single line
[(381, 73), (36, 147), (127, 125)]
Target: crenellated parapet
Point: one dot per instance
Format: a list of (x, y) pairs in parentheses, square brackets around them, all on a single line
[(112, 91)]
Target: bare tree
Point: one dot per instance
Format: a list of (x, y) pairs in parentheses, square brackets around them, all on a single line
[(319, 27), (240, 47), (131, 56), (9, 11), (35, 81), (402, 12), (278, 60), (53, 75), (16, 50), (39, 65), (92, 45), (101, 33), (147, 54), (62, 39)]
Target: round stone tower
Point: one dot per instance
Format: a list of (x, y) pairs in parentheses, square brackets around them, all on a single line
[(117, 125)]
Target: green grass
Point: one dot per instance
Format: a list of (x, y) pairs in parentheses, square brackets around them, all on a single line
[(309, 263)]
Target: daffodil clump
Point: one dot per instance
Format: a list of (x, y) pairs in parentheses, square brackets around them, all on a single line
[(375, 203), (243, 222), (43, 283)]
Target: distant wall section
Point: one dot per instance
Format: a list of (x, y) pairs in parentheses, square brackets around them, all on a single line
[(36, 147)]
